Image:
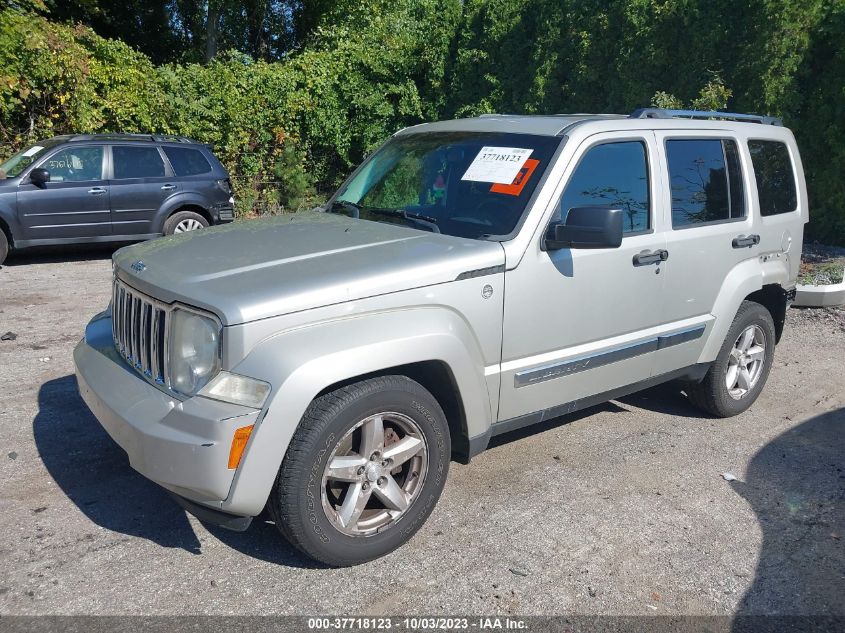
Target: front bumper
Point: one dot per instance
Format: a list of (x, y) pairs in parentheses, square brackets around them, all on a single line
[(182, 445)]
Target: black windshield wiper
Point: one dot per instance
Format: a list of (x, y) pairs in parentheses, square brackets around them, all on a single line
[(425, 220), (345, 205)]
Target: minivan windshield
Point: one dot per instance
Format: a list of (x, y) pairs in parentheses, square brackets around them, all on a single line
[(467, 184), (23, 159)]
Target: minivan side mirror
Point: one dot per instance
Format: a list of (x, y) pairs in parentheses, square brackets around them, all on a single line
[(39, 177), (586, 227)]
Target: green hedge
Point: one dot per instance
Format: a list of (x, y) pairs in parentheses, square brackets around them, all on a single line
[(292, 129), (285, 131)]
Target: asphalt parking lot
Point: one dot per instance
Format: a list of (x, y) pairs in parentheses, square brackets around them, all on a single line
[(621, 509)]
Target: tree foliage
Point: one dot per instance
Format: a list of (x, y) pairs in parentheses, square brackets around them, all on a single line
[(303, 89)]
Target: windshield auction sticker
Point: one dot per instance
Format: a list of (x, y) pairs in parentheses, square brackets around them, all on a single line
[(498, 165)]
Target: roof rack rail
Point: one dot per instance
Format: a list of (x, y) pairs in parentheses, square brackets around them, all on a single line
[(661, 113), (158, 138)]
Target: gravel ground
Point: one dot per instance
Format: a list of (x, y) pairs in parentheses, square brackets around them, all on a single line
[(621, 509)]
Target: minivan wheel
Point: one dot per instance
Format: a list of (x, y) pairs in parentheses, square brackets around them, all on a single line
[(4, 246), (363, 471), (184, 221), (740, 371)]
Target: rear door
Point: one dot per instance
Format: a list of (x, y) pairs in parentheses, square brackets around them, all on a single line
[(74, 204), (711, 230), (141, 181)]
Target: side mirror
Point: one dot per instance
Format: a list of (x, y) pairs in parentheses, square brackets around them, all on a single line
[(39, 177), (586, 227)]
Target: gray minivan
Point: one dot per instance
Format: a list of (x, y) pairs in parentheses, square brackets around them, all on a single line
[(110, 188)]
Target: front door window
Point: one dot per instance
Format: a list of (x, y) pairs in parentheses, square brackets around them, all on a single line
[(612, 175), (75, 164)]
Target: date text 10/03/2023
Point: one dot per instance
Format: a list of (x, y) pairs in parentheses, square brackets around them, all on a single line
[(417, 623)]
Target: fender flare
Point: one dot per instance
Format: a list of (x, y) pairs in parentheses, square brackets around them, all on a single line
[(744, 279), (302, 363), (172, 203)]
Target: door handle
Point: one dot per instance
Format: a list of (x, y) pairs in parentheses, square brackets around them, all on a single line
[(96, 191), (743, 241), (168, 187), (644, 258)]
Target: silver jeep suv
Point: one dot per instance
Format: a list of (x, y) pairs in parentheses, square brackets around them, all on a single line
[(470, 278)]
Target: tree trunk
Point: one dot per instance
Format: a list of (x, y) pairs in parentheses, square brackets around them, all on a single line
[(211, 30)]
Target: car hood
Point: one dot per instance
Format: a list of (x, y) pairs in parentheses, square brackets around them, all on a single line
[(268, 267)]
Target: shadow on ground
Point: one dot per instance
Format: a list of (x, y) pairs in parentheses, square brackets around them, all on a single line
[(94, 473), (665, 398), (796, 486), (60, 254)]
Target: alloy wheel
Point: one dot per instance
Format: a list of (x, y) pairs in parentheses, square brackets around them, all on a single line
[(745, 363), (189, 224), (374, 474)]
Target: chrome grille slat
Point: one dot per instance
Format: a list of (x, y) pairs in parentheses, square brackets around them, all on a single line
[(133, 330), (144, 339), (166, 352), (155, 364), (140, 328)]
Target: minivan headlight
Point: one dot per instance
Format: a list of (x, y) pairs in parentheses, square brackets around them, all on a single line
[(194, 351)]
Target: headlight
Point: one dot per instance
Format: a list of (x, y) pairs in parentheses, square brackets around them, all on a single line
[(194, 351), (237, 389)]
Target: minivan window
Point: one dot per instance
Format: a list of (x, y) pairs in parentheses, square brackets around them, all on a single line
[(186, 161), (775, 177), (706, 181), (466, 184), (75, 164), (136, 162), (611, 175)]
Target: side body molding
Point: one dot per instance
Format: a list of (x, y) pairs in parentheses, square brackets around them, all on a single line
[(302, 362)]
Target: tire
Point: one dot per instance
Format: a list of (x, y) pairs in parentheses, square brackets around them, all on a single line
[(713, 394), (4, 246), (307, 503), (184, 221)]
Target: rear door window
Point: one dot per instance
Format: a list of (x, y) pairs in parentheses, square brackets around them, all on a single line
[(136, 162), (186, 161), (706, 181), (775, 177)]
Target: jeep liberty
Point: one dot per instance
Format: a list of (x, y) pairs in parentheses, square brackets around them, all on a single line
[(470, 278)]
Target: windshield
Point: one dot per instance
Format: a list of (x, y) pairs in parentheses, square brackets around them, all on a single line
[(467, 184), (23, 159)]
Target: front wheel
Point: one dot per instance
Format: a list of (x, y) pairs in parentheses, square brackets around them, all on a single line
[(739, 373), (4, 246), (363, 471)]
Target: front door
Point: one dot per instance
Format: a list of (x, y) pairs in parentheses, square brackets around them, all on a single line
[(583, 322), (140, 183), (74, 204)]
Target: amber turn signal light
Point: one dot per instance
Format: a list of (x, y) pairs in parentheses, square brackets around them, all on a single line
[(238, 445)]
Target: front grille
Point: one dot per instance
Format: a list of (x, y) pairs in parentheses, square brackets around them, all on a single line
[(140, 330)]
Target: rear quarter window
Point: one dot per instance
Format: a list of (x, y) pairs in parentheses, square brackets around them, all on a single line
[(186, 161), (775, 177)]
